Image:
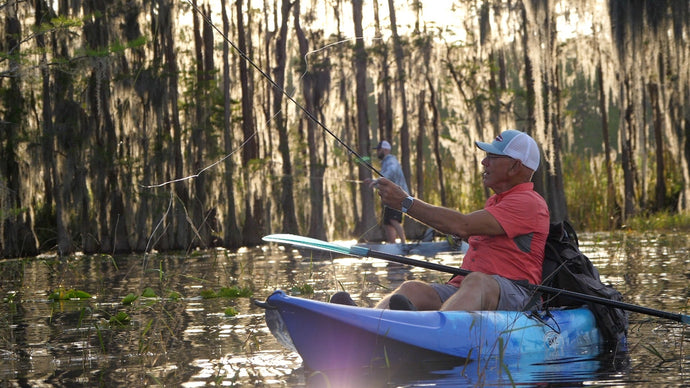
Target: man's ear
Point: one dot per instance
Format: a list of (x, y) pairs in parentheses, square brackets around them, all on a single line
[(516, 168)]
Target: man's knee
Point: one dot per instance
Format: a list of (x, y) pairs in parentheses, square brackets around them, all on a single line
[(411, 286), (486, 285), (421, 294)]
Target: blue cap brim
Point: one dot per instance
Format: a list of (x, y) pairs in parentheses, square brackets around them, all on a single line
[(488, 147)]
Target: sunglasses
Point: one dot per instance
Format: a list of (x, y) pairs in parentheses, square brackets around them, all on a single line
[(495, 156)]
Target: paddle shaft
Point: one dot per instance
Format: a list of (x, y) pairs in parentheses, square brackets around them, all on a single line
[(360, 251)]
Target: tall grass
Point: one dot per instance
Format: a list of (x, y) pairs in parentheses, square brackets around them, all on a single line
[(659, 221), (585, 190)]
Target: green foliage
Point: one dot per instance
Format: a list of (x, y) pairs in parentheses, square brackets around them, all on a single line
[(149, 293), (129, 299), (227, 292), (120, 319), (659, 221), (9, 297), (208, 293), (230, 312), (304, 289), (46, 221), (235, 292), (585, 186), (363, 160), (62, 294), (585, 192), (59, 22)]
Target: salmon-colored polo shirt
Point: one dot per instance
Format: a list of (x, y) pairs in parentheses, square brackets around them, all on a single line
[(518, 254)]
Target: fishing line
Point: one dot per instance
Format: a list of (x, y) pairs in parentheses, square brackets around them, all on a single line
[(203, 169), (285, 93), (159, 224), (150, 241)]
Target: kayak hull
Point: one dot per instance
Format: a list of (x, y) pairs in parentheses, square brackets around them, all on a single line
[(330, 336)]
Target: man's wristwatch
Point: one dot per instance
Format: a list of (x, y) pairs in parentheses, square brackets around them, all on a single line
[(407, 204)]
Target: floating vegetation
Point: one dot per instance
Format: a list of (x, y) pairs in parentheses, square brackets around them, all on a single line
[(62, 294), (129, 299), (235, 292), (227, 292), (304, 289), (230, 312), (9, 297), (149, 293), (120, 319)]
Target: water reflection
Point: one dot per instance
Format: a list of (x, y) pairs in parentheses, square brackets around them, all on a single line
[(192, 341), (568, 372)]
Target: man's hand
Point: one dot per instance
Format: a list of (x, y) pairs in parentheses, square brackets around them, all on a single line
[(390, 193)]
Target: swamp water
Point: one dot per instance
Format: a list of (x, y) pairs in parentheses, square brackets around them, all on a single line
[(197, 327)]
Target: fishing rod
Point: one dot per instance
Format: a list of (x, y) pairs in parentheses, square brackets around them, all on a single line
[(311, 116)]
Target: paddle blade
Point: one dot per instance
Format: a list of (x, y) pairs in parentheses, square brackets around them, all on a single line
[(308, 242)]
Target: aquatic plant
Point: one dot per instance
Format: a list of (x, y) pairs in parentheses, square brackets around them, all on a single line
[(62, 294)]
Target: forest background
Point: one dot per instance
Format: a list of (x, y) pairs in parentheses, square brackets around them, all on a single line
[(146, 125)]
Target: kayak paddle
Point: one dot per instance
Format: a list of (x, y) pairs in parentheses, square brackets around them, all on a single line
[(360, 251)]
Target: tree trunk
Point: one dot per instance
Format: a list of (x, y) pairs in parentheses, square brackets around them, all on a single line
[(364, 226), (557, 202), (231, 232), (16, 235), (401, 78), (626, 132), (552, 111), (287, 199), (383, 97), (660, 188), (611, 201), (201, 48), (349, 120), (530, 101), (496, 87), (177, 229), (435, 141), (316, 167), (421, 119), (113, 225), (251, 234)]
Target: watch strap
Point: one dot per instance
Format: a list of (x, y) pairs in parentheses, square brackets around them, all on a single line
[(407, 203)]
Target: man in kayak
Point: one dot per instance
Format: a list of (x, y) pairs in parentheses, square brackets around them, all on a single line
[(390, 168), (506, 237)]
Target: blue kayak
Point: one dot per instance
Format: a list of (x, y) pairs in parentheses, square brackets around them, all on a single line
[(331, 336)]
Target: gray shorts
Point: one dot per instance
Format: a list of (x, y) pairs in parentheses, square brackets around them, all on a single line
[(513, 297)]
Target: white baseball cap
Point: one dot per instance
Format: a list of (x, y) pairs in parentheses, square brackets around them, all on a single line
[(518, 145), (383, 144)]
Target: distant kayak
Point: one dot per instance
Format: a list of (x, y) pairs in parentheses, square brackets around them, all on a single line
[(331, 336)]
